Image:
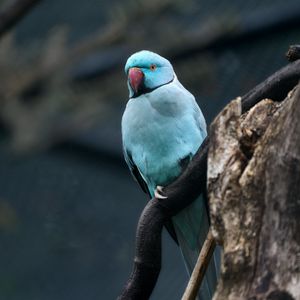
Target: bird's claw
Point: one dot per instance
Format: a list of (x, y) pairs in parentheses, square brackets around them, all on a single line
[(159, 194)]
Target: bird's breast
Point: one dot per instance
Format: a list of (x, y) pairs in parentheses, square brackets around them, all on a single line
[(159, 134)]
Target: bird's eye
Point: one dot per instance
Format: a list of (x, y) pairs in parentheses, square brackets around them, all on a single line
[(152, 67)]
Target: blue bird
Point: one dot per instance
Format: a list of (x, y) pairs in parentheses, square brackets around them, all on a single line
[(162, 128)]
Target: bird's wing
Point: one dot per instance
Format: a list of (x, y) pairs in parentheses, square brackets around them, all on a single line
[(139, 178), (135, 171)]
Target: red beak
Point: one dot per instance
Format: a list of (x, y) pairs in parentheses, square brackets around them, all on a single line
[(136, 78)]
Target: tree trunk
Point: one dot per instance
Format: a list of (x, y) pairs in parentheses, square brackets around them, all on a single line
[(254, 194)]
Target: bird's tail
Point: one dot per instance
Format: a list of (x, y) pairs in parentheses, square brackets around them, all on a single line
[(191, 227)]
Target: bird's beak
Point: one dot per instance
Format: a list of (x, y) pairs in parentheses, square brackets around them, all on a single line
[(136, 79)]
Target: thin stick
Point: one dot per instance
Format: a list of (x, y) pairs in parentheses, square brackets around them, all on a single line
[(197, 276)]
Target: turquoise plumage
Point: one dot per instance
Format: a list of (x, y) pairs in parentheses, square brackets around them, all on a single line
[(162, 128)]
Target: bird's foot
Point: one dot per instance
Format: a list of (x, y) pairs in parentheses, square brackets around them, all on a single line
[(159, 194)]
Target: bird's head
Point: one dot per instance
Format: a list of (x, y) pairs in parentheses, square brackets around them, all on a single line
[(147, 71)]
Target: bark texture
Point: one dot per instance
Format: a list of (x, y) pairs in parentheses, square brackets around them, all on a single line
[(254, 194)]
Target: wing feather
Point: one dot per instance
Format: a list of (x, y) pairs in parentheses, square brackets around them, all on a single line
[(135, 171), (139, 178)]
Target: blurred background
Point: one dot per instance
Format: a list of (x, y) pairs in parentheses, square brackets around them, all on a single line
[(68, 205)]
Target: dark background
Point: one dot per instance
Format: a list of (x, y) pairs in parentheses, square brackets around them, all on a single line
[(68, 205)]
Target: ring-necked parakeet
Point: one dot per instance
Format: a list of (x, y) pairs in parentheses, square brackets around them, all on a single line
[(162, 128)]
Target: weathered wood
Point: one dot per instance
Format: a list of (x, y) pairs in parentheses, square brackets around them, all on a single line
[(254, 188)]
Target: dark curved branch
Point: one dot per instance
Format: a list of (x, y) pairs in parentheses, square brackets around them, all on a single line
[(147, 261), (275, 87), (13, 13), (185, 189)]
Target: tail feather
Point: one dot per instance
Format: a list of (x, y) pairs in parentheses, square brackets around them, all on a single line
[(191, 227)]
